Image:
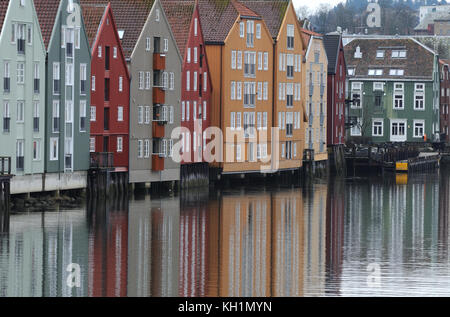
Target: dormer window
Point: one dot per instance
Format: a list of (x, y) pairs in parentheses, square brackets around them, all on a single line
[(358, 53), (351, 72), (399, 54), (375, 72), (121, 33), (396, 72), (380, 54)]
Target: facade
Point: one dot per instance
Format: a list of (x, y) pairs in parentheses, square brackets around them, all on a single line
[(444, 71), (22, 94), (397, 83), (110, 97), (288, 109), (315, 92), (67, 93), (239, 47), (196, 87), (337, 74)]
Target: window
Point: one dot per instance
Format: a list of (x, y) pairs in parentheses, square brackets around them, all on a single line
[(232, 120), (148, 44), (172, 81), (166, 45), (249, 94), (377, 127), (115, 52), (20, 73), (398, 96), (195, 55), (260, 60), (6, 117), (351, 71), (20, 112), (21, 38), (140, 149), (141, 80), (147, 115), (195, 26), (93, 83), (119, 144), (147, 81), (290, 65), (120, 83), (266, 91), (233, 59), (380, 54), (188, 80), (157, 15), (378, 86), (250, 33), (258, 31), (419, 97), (36, 115), (398, 54), (140, 114), (36, 150), (266, 61), (249, 64), (54, 149), (195, 80), (205, 81), (7, 77), (99, 51), (233, 90), (204, 110), (93, 113), (187, 110), (396, 72), (238, 120), (290, 36), (375, 72), (188, 55), (20, 145), (83, 113), (239, 90), (83, 77), (69, 74), (249, 124), (356, 129), (398, 130), (419, 128), (356, 94), (289, 94), (241, 29)]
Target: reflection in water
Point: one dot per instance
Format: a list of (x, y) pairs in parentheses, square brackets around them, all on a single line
[(312, 241)]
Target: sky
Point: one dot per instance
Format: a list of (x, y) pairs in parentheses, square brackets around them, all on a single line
[(314, 4)]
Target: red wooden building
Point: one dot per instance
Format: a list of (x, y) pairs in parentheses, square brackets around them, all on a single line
[(445, 97), (110, 91), (196, 84), (337, 74)]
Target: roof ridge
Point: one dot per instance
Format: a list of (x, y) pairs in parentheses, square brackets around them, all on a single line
[(236, 5)]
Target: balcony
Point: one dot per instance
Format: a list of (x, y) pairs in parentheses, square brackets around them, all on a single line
[(102, 160), (159, 96), (157, 163), (159, 61)]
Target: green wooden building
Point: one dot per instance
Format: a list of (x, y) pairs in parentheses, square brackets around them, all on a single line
[(396, 81)]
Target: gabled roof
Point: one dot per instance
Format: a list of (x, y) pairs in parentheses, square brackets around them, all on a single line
[(3, 9), (332, 43), (47, 10), (93, 16), (272, 11), (418, 64), (130, 16), (179, 14), (218, 16)]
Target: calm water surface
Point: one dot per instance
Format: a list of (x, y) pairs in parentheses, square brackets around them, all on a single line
[(328, 239)]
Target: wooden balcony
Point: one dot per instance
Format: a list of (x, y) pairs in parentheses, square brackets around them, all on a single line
[(158, 130), (102, 160), (159, 96), (159, 61), (157, 163)]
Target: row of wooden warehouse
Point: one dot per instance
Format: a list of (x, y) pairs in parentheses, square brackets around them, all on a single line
[(233, 87)]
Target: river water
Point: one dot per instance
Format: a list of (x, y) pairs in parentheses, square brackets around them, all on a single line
[(344, 237)]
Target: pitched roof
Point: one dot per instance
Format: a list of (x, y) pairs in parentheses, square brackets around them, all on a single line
[(418, 64), (272, 11), (93, 16), (130, 16), (3, 8), (47, 11), (332, 43), (179, 14), (218, 16)]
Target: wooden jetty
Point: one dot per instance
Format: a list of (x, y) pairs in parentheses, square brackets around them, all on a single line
[(422, 163)]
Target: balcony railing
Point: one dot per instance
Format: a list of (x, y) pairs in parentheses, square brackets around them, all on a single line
[(102, 160)]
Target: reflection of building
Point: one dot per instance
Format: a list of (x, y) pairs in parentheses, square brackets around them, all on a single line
[(315, 242), (153, 246), (194, 235), (288, 244), (335, 231), (108, 248), (38, 251)]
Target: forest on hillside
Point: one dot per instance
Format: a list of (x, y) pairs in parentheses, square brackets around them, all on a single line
[(397, 16)]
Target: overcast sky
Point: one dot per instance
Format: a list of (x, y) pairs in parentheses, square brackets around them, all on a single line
[(314, 4)]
